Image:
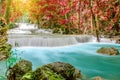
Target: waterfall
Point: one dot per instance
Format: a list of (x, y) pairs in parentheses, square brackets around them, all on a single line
[(49, 40), (29, 35)]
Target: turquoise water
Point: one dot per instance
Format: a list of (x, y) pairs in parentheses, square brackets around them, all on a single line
[(82, 56)]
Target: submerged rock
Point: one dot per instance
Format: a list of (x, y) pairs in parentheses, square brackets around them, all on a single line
[(108, 51), (19, 69), (98, 78)]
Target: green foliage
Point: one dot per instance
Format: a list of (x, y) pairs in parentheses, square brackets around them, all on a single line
[(27, 76), (12, 25), (14, 57)]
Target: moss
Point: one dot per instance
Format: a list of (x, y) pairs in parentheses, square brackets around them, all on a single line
[(53, 71), (27, 76), (20, 69), (6, 47), (44, 74), (64, 69)]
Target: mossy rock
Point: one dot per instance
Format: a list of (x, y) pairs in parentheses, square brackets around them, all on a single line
[(42, 74), (27, 76), (3, 31), (4, 55), (64, 69), (54, 71), (19, 69), (5, 47), (5, 51), (108, 51)]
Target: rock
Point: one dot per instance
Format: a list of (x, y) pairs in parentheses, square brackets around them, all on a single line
[(5, 51), (98, 78), (3, 55), (64, 69), (118, 41), (3, 40), (54, 71), (45, 74), (27, 76), (108, 51), (6, 47), (19, 69)]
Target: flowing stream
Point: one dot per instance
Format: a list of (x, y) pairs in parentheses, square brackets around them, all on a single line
[(82, 56)]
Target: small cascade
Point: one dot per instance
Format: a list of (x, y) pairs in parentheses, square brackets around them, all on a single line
[(26, 28), (42, 41), (23, 28), (47, 40)]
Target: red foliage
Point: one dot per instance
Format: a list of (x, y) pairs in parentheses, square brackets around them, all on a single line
[(3, 8), (64, 12)]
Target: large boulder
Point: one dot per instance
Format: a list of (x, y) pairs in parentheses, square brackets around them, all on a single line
[(45, 74), (54, 71), (19, 69), (108, 51), (64, 69)]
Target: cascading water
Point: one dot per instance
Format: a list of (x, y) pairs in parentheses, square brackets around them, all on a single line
[(29, 35), (48, 40)]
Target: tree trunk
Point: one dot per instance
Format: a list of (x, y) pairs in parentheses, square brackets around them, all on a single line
[(94, 23), (38, 22), (79, 16)]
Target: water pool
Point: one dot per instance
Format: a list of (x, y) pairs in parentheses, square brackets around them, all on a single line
[(82, 56)]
